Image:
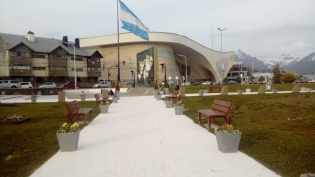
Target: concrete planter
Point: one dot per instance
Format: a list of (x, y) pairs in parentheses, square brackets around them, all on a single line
[(303, 88), (168, 103), (161, 92), (228, 142), (82, 97), (155, 93), (33, 99), (205, 91), (115, 99), (179, 109), (200, 93), (240, 92), (118, 94), (274, 90), (68, 141), (104, 108), (158, 97), (167, 91), (247, 90), (308, 89)]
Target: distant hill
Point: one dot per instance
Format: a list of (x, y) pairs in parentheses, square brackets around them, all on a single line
[(287, 62)]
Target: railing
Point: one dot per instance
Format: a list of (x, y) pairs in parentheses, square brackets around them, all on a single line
[(94, 74), (58, 73), (21, 72), (21, 60)]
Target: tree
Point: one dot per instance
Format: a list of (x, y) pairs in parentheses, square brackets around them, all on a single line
[(276, 74), (225, 80), (238, 80), (261, 79), (251, 79), (288, 77)]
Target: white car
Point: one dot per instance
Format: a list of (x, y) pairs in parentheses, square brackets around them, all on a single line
[(206, 83), (48, 85), (26, 85), (102, 85)]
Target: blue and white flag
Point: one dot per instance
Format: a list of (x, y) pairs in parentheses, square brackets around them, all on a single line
[(131, 22)]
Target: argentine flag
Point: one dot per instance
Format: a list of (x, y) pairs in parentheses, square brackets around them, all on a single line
[(131, 22)]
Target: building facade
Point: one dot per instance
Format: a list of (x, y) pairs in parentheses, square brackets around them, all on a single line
[(37, 59)]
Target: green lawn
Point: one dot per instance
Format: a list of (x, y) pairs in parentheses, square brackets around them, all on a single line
[(278, 130)]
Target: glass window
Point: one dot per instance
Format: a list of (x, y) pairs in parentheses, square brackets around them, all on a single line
[(38, 56), (21, 67), (77, 69), (77, 59), (20, 54), (39, 68), (57, 56)]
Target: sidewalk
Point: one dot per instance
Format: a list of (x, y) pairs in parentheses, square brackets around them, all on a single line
[(140, 137)]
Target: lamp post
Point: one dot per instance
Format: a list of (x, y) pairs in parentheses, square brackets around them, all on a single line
[(186, 66), (133, 83), (165, 72), (104, 65), (130, 67), (221, 78), (75, 69), (176, 80)]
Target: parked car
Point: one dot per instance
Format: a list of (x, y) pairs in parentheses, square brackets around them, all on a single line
[(194, 83), (308, 80), (230, 82), (10, 84), (102, 84), (70, 85), (206, 83), (169, 83), (48, 85), (26, 85)]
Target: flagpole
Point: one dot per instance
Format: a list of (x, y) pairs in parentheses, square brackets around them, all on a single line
[(118, 76)]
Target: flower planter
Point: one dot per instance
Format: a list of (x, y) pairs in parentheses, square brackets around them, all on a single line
[(303, 88), (274, 90), (228, 142), (179, 109), (200, 93), (168, 103), (158, 97), (167, 91), (308, 89), (205, 91), (117, 93), (33, 99), (82, 97), (247, 90), (68, 141), (104, 108), (161, 92), (115, 99), (240, 92), (155, 93)]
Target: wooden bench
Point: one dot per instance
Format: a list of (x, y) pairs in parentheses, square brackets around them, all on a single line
[(219, 109), (213, 87), (99, 100), (173, 95), (74, 110)]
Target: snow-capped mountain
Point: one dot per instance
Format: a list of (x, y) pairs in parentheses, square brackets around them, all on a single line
[(283, 59), (305, 65), (287, 63), (249, 60)]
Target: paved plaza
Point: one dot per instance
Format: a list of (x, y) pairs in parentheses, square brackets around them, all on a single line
[(140, 137)]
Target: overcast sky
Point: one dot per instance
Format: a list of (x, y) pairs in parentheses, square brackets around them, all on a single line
[(261, 28)]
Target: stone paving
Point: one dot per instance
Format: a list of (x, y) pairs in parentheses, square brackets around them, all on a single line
[(140, 137)]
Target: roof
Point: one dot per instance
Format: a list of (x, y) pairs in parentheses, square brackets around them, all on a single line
[(42, 45)]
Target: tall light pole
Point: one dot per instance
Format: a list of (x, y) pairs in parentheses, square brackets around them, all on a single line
[(104, 65), (221, 78), (75, 69), (185, 64), (130, 67)]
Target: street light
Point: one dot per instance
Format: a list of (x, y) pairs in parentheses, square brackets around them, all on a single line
[(133, 83), (104, 65), (185, 64), (176, 80), (165, 72), (221, 78), (75, 69), (130, 67)]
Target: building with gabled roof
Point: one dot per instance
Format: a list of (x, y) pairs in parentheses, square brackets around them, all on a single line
[(38, 59)]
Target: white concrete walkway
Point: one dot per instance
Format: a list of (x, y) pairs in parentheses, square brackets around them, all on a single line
[(140, 137)]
